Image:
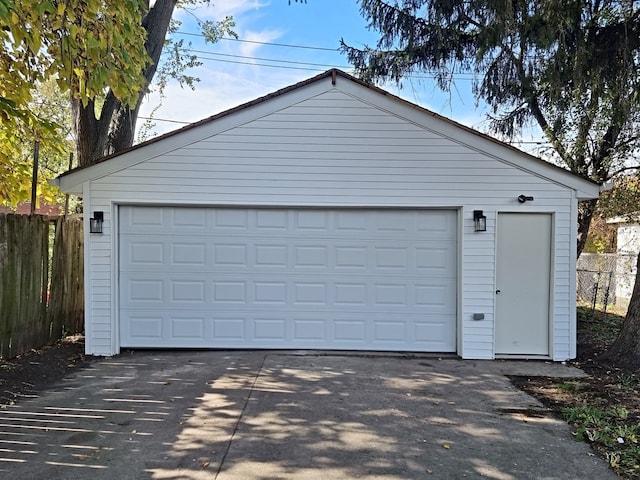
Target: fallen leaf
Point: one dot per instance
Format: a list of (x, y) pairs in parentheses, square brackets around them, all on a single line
[(204, 464), (447, 446)]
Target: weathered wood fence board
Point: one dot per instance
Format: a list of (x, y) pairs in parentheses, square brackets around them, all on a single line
[(66, 304), (33, 311)]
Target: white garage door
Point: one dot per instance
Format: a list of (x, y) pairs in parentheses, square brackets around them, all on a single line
[(288, 278)]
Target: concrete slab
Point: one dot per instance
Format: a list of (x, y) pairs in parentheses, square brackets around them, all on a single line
[(273, 415)]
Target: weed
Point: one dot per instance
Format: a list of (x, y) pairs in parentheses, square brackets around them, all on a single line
[(603, 408), (628, 381), (569, 387), (619, 412), (601, 328), (606, 428)]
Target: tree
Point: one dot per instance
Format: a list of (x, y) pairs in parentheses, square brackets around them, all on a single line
[(625, 351), (571, 67), (17, 144), (623, 200), (86, 46), (103, 52), (110, 127)]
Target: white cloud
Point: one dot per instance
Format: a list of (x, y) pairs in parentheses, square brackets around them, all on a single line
[(263, 36), (218, 90), (221, 8)]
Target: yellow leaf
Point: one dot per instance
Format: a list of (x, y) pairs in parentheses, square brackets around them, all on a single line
[(61, 7), (15, 19), (447, 446)]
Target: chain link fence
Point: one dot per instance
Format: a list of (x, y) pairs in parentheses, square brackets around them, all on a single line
[(606, 279)]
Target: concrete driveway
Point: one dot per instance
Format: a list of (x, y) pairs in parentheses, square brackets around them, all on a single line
[(271, 415)]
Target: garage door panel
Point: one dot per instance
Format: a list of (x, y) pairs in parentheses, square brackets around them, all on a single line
[(224, 251), (227, 292), (269, 329), (235, 220), (286, 278), (245, 329), (310, 331), (188, 327), (291, 293), (229, 328)]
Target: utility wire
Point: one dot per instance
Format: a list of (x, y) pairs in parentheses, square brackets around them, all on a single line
[(154, 119), (458, 76), (231, 39), (286, 67), (266, 59), (200, 53)]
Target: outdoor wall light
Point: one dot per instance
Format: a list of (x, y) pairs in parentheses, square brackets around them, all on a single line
[(95, 222), (479, 221), (524, 198)]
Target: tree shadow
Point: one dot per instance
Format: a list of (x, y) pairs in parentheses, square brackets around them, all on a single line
[(260, 415)]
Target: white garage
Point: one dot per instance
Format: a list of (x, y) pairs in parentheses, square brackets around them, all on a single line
[(288, 278), (330, 215)]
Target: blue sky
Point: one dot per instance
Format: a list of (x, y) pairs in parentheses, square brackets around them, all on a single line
[(234, 72)]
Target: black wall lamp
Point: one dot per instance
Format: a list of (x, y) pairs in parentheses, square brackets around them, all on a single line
[(479, 221), (524, 198), (95, 222)]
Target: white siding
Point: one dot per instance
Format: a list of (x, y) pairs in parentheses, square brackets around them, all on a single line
[(335, 149)]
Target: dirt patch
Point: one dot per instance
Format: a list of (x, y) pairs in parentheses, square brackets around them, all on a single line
[(37, 370), (603, 408)]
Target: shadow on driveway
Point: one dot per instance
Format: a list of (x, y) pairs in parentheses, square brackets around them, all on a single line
[(269, 415)]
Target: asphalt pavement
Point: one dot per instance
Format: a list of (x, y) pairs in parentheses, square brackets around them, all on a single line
[(290, 415)]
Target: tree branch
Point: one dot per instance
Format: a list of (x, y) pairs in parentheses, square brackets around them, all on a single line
[(122, 120), (621, 170)]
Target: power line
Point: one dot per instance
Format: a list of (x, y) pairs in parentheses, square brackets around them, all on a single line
[(262, 64), (154, 119), (231, 39), (458, 75), (267, 59)]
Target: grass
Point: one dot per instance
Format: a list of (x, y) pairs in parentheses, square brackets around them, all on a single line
[(598, 328), (607, 413), (604, 408), (611, 433)]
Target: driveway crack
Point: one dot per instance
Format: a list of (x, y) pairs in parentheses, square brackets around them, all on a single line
[(240, 417)]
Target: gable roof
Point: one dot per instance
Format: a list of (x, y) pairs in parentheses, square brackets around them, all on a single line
[(71, 181)]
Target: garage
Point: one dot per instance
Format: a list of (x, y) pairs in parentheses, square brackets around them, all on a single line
[(330, 215), (356, 279)]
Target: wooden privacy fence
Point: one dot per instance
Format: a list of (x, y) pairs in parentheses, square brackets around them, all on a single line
[(41, 285)]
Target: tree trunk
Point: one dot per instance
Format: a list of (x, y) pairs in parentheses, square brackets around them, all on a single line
[(114, 130), (91, 136), (625, 351), (123, 122), (586, 210)]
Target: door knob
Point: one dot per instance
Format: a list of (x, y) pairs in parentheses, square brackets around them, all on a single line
[(497, 292)]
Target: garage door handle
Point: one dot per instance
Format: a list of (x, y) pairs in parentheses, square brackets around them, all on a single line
[(497, 292)]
